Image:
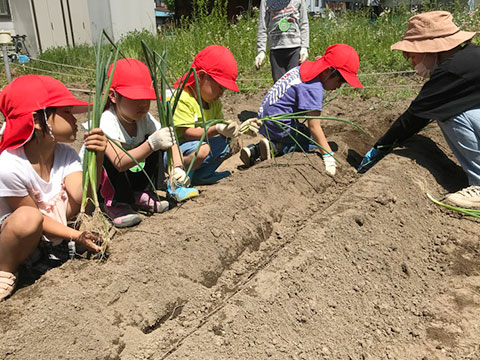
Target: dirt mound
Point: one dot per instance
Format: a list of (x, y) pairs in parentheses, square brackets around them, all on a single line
[(278, 261)]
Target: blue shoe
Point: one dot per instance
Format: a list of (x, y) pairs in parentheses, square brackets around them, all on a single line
[(211, 178), (182, 193)]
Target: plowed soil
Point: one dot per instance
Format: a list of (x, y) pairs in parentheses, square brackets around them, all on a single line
[(279, 261)]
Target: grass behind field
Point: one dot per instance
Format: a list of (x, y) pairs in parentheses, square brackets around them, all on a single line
[(372, 41)]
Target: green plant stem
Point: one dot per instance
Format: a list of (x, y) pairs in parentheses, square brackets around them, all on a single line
[(470, 212), (136, 162)]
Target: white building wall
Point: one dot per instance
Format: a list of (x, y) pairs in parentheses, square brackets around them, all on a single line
[(100, 17), (83, 25), (315, 5), (51, 24), (22, 17), (8, 26), (77, 16), (130, 15)]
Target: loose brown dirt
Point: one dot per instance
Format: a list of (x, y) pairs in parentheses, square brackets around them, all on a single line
[(279, 261)]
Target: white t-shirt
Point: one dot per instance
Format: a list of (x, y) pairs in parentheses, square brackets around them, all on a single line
[(112, 127), (19, 179)]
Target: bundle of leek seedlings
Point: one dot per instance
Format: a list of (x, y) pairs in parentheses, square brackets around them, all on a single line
[(470, 212), (105, 56), (158, 66)]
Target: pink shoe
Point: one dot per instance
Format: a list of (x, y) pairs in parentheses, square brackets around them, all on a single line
[(149, 202), (122, 215)]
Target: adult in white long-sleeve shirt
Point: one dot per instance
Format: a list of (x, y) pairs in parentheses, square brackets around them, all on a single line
[(283, 24)]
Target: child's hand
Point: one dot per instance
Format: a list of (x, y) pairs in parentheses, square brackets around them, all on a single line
[(250, 127), (229, 130), (95, 140), (330, 163), (91, 241), (180, 177), (162, 139)]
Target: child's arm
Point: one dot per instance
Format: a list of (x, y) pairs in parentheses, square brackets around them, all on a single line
[(94, 140), (161, 139), (52, 227), (192, 133), (177, 156), (315, 127), (230, 130), (122, 161)]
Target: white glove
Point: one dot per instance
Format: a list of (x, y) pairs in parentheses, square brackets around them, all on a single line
[(162, 139), (330, 164), (303, 55), (179, 176), (250, 127), (259, 59), (229, 130)]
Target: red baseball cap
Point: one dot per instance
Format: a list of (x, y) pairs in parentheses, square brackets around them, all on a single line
[(132, 79), (218, 62), (341, 57), (25, 95)]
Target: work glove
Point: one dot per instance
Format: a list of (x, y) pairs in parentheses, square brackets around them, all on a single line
[(229, 130), (179, 176), (251, 127), (330, 163), (371, 158), (259, 59), (162, 139), (303, 55)]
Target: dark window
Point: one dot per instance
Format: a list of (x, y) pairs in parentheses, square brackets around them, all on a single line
[(4, 10)]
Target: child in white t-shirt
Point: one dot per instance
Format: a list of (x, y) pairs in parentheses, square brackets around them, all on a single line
[(127, 120), (40, 179)]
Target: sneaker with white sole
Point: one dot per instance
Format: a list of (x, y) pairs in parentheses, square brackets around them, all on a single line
[(122, 215), (249, 154), (265, 150), (148, 201), (468, 198), (181, 193)]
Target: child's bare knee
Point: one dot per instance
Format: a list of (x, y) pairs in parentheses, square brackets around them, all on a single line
[(203, 152), (26, 221)]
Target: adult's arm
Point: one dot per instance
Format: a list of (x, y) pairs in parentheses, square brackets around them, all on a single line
[(262, 28), (404, 127), (304, 27)]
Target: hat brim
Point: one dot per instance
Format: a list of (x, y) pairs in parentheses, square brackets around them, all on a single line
[(137, 93), (351, 79), (311, 69), (78, 106), (434, 45), (229, 84)]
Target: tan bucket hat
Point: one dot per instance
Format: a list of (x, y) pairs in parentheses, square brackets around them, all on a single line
[(432, 32)]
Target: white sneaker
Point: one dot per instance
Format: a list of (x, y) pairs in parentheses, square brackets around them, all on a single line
[(265, 151), (466, 198)]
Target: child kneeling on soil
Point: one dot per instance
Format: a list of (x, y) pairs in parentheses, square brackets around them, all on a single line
[(216, 70), (40, 178), (127, 120), (302, 89)]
